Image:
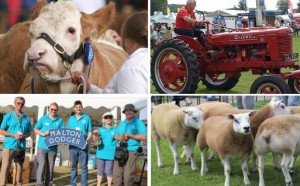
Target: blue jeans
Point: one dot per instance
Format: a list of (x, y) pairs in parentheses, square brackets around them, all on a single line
[(293, 100), (83, 158)]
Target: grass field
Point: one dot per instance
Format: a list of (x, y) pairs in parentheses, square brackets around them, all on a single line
[(245, 82), (215, 176)]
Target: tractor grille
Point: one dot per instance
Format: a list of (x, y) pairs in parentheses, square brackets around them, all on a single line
[(284, 45)]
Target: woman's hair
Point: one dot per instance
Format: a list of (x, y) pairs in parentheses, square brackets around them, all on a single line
[(136, 28), (53, 103)]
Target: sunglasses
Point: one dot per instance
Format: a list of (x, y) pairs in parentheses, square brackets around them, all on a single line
[(108, 117), (20, 103), (54, 110)]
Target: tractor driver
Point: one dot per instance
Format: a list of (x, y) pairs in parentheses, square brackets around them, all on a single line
[(186, 20)]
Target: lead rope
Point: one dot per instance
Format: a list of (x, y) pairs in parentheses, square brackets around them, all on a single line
[(57, 78)]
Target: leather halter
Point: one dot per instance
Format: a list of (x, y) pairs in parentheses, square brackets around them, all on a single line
[(61, 51)]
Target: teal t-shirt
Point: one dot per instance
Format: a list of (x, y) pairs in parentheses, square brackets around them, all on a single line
[(84, 124), (106, 150), (11, 124), (136, 126), (44, 124)]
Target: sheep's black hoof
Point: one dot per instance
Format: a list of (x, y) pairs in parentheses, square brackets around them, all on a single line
[(291, 171), (289, 183)]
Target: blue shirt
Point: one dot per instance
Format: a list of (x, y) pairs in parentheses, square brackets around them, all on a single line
[(84, 124), (107, 149), (11, 124), (44, 124), (136, 126)]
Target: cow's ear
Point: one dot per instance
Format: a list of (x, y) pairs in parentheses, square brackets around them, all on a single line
[(37, 8), (100, 20)]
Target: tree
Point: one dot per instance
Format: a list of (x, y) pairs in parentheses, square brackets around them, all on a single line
[(159, 5), (282, 5), (174, 7), (298, 7), (242, 5)]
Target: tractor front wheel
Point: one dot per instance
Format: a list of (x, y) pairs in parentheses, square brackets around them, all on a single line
[(220, 81), (174, 68), (294, 85), (269, 84)]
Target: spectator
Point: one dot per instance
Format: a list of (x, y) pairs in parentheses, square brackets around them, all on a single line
[(293, 101), (277, 23), (245, 102), (153, 39)]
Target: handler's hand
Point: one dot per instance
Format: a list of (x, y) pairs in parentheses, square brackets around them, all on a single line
[(18, 137), (47, 133), (77, 80)]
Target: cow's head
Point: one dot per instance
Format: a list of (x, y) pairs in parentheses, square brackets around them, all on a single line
[(57, 34)]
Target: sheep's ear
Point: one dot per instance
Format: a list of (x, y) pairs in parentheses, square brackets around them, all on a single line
[(100, 20), (230, 116), (251, 114), (187, 112), (37, 8), (273, 100)]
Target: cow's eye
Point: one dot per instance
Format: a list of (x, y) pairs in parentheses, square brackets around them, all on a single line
[(71, 30)]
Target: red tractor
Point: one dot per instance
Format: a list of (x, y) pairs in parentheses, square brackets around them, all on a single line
[(178, 64)]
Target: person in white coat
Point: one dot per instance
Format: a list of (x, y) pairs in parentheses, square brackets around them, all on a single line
[(132, 78)]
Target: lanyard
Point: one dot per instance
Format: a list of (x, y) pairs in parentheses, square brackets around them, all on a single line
[(20, 129), (18, 119)]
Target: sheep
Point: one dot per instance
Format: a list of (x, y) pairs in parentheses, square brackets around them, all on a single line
[(177, 125), (219, 109), (273, 108), (229, 137), (295, 109), (279, 134)]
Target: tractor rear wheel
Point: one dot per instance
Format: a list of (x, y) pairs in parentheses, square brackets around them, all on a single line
[(294, 85), (220, 81), (174, 68), (269, 84)]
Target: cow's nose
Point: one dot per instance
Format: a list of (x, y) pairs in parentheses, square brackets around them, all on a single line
[(35, 53)]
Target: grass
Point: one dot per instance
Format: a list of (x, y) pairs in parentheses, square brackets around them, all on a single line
[(215, 176), (246, 80)]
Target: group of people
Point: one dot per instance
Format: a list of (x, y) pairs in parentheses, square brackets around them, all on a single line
[(16, 127)]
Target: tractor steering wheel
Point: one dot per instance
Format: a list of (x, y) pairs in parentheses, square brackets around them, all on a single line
[(200, 12)]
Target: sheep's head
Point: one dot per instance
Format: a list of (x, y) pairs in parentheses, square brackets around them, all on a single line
[(279, 108), (193, 117), (241, 122), (68, 29)]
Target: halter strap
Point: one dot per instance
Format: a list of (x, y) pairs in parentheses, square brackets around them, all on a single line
[(60, 50)]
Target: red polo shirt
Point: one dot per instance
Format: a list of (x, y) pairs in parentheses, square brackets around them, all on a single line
[(180, 22)]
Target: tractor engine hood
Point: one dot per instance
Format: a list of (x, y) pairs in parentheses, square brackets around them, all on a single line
[(246, 36)]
